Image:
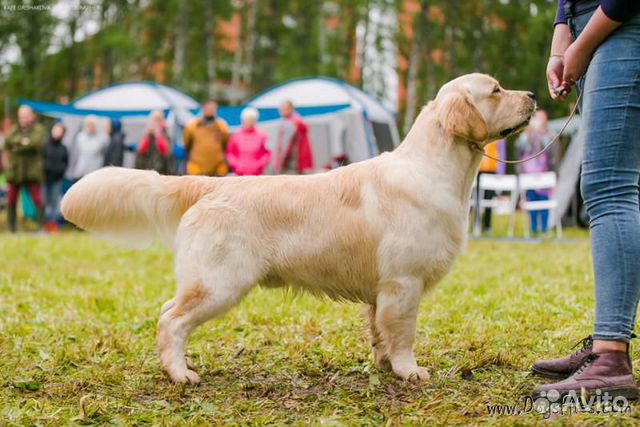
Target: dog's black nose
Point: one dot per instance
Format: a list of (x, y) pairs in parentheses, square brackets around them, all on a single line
[(531, 95)]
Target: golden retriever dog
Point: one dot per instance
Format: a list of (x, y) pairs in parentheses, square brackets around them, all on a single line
[(379, 232)]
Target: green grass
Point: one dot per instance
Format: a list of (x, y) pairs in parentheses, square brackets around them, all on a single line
[(77, 342)]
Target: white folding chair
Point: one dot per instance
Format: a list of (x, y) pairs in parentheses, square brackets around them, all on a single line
[(500, 204), (539, 181), (472, 201)]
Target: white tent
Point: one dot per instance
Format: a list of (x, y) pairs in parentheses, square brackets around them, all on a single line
[(362, 130), (131, 103), (136, 96)]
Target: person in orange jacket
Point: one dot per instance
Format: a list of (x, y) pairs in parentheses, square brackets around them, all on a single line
[(205, 140)]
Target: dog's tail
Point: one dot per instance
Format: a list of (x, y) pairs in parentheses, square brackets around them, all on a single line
[(132, 206)]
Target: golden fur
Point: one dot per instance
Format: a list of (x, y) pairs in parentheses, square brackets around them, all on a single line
[(379, 232)]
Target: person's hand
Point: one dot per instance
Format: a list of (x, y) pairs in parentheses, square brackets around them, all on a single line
[(555, 71), (576, 61)]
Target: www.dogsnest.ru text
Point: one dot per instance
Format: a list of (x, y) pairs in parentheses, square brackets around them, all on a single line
[(570, 404)]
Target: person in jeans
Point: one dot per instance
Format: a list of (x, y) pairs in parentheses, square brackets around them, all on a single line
[(532, 141), (56, 160), (23, 150), (596, 45)]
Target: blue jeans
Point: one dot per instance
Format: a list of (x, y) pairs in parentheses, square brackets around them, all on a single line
[(533, 195), (610, 174), (52, 196)]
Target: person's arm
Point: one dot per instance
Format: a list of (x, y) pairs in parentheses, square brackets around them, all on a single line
[(232, 152), (266, 153), (561, 40), (187, 136), (578, 55), (10, 141), (224, 133), (6, 150), (42, 138)]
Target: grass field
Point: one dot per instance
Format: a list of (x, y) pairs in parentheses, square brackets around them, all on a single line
[(77, 343)]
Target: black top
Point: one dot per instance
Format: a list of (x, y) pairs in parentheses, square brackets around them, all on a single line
[(617, 10), (114, 156), (56, 160)]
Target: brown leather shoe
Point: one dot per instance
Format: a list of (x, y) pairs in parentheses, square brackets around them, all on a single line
[(608, 372), (564, 367)]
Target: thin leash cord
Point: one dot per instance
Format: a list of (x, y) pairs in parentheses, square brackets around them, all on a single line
[(546, 147)]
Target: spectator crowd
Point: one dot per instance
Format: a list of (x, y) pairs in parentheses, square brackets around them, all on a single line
[(40, 164)]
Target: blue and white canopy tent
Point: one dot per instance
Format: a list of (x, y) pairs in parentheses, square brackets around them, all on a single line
[(360, 131), (342, 118), (130, 102)]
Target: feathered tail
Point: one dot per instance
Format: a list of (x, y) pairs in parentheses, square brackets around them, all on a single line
[(132, 206)]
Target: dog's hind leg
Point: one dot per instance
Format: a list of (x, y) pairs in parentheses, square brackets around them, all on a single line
[(194, 305), (165, 307), (378, 348), (396, 315)]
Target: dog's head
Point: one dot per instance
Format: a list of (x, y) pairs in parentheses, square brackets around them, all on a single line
[(476, 108)]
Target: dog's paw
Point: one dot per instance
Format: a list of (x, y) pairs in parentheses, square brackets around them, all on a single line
[(415, 374), (419, 375), (185, 377)]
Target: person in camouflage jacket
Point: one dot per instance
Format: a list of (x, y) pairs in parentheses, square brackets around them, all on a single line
[(24, 153)]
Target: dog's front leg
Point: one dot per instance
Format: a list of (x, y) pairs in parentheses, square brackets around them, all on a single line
[(396, 315)]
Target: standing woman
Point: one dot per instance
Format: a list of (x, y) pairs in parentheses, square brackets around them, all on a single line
[(86, 153), (596, 45), (114, 156), (247, 152), (56, 160)]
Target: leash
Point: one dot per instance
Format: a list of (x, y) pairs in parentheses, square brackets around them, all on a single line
[(555, 139)]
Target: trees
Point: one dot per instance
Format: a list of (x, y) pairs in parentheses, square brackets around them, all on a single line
[(231, 49), (27, 34), (508, 39)]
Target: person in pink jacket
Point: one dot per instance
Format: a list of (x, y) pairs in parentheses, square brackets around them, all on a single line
[(247, 152)]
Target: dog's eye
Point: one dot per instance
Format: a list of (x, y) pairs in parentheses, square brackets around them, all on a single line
[(496, 89)]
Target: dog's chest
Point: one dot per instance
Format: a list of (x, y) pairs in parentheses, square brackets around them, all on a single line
[(425, 248)]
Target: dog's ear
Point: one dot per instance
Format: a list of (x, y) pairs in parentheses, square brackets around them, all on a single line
[(460, 117)]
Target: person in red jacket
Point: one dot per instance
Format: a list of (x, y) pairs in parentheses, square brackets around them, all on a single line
[(154, 150), (293, 151)]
